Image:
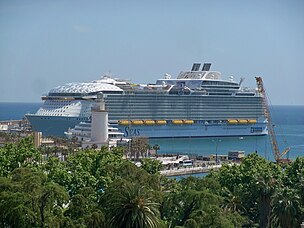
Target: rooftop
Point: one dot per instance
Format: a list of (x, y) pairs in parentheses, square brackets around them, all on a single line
[(84, 87)]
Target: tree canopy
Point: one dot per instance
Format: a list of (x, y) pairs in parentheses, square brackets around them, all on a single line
[(98, 188)]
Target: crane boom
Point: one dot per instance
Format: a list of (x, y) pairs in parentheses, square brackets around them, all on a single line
[(275, 149)]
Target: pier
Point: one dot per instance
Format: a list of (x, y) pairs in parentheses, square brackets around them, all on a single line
[(177, 165), (13, 126), (189, 170)]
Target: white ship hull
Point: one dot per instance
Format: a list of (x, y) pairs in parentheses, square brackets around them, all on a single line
[(194, 130), (58, 125), (50, 125)]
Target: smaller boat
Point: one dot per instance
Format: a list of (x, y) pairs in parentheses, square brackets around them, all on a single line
[(82, 132)]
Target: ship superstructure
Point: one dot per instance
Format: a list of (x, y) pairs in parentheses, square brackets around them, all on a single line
[(198, 103), (82, 133)]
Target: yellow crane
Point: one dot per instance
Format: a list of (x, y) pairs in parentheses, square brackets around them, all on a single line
[(275, 149)]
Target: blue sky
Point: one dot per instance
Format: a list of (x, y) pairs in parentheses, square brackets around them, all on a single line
[(47, 43)]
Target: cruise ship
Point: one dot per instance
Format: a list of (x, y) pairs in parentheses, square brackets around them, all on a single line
[(198, 103), (82, 132)]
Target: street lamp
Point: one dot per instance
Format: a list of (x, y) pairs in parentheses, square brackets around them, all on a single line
[(216, 146)]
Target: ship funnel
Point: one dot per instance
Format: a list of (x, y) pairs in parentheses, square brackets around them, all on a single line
[(195, 67), (206, 67)]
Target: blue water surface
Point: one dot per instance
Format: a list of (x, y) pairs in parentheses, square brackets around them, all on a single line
[(288, 121), (16, 111)]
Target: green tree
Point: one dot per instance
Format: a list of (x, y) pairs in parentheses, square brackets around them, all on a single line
[(96, 219), (130, 205), (294, 177), (87, 168), (193, 202), (151, 166), (138, 147), (33, 200), (156, 147), (21, 154), (266, 185), (256, 179), (232, 200), (83, 209), (190, 223), (58, 172), (15, 206), (286, 208)]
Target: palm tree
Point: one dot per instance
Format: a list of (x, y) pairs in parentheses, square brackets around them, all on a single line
[(265, 184), (190, 223), (286, 208), (149, 147), (94, 146), (96, 219), (232, 200), (131, 206), (300, 187), (138, 147), (156, 147)]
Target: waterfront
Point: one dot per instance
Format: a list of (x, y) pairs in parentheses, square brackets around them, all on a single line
[(289, 122), (289, 127), (287, 135), (189, 171)]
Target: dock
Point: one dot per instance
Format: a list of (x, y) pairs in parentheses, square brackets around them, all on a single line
[(13, 126), (188, 170)]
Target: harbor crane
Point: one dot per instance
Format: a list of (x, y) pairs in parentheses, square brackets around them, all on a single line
[(275, 149)]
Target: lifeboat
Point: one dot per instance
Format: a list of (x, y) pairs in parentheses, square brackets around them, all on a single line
[(231, 121), (188, 121), (177, 121), (137, 122), (161, 122), (123, 122), (149, 122), (242, 121), (252, 121)]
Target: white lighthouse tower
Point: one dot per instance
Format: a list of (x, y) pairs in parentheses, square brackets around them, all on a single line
[(99, 129), (99, 123)]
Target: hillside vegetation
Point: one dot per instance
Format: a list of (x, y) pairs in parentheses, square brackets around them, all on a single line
[(98, 188)]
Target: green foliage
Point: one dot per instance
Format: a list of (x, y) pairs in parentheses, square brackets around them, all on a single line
[(156, 147), (253, 189), (287, 208), (20, 154), (152, 166), (28, 199), (137, 147), (98, 188), (87, 168), (131, 205), (83, 209), (294, 177), (196, 204)]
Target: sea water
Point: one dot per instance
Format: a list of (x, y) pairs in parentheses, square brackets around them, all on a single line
[(16, 111), (289, 128)]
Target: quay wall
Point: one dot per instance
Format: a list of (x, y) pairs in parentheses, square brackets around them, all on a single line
[(189, 170)]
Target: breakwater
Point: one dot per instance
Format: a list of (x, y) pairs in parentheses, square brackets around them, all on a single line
[(189, 170)]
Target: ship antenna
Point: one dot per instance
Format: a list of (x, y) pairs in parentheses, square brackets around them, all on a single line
[(241, 81)]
